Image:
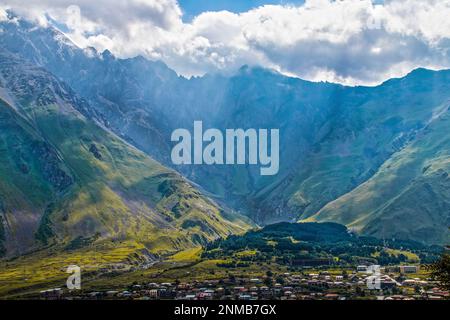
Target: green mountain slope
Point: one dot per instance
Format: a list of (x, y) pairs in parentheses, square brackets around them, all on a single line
[(409, 196), (64, 177), (366, 127)]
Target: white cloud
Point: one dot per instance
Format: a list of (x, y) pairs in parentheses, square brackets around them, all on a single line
[(346, 41)]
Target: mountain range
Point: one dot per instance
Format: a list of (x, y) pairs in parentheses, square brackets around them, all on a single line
[(85, 145)]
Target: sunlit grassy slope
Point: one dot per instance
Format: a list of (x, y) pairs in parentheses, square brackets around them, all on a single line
[(47, 268), (122, 193), (409, 196)]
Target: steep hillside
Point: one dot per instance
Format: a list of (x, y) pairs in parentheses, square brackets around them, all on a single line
[(130, 96), (409, 196), (63, 177)]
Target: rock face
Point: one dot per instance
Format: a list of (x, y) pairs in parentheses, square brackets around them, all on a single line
[(94, 150), (337, 143), (50, 165)]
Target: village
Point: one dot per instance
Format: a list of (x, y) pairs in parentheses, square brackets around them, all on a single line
[(394, 283)]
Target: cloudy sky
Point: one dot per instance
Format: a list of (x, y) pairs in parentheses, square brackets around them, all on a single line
[(346, 41)]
